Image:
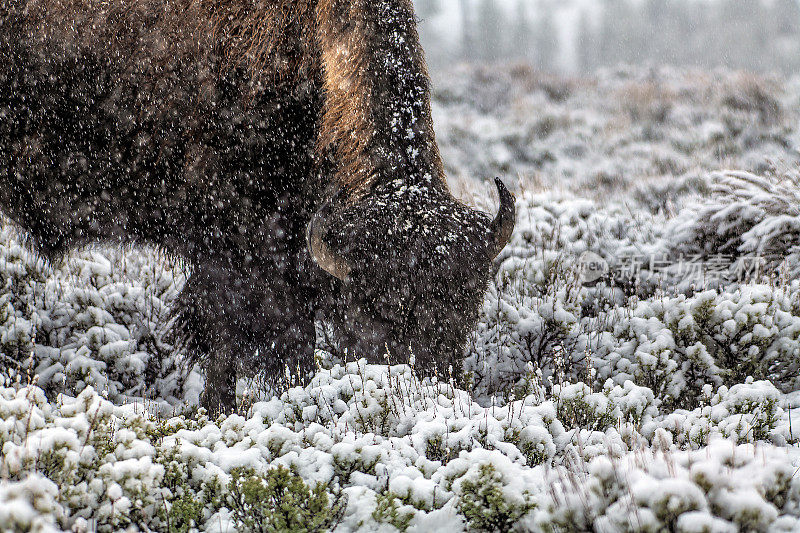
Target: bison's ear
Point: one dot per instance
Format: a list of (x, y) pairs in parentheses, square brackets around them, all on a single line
[(328, 260), (502, 226)]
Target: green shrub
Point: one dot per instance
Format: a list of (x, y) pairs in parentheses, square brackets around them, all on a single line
[(391, 510), (578, 407), (484, 505), (184, 513), (280, 501)]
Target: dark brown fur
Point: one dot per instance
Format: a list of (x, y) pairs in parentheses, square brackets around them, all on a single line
[(350, 123), (325, 40)]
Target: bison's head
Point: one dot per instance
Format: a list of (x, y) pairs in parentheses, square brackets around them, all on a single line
[(414, 264)]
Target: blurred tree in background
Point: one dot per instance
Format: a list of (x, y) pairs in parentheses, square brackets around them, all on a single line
[(491, 29)]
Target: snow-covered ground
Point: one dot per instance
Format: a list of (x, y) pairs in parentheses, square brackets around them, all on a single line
[(636, 366)]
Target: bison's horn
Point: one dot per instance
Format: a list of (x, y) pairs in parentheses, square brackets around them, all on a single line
[(327, 259), (503, 224)]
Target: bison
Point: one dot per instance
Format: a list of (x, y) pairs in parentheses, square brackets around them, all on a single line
[(283, 149)]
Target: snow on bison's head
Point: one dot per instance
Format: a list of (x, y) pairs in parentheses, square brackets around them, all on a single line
[(414, 264)]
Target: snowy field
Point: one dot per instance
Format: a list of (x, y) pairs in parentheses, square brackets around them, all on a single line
[(636, 366)]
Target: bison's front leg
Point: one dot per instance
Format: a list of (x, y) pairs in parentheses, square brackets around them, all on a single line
[(243, 323), (219, 396), (206, 327)]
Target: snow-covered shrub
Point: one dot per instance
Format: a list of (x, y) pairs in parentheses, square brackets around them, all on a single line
[(280, 500), (96, 319), (484, 503), (119, 468), (721, 488), (747, 412), (390, 509), (646, 101), (539, 314), (527, 325), (578, 407), (757, 407), (650, 135), (675, 345), (30, 505), (748, 215), (754, 95), (20, 275), (524, 465), (79, 456)]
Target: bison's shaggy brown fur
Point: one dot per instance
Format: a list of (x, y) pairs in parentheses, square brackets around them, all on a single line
[(221, 131), (295, 41)]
